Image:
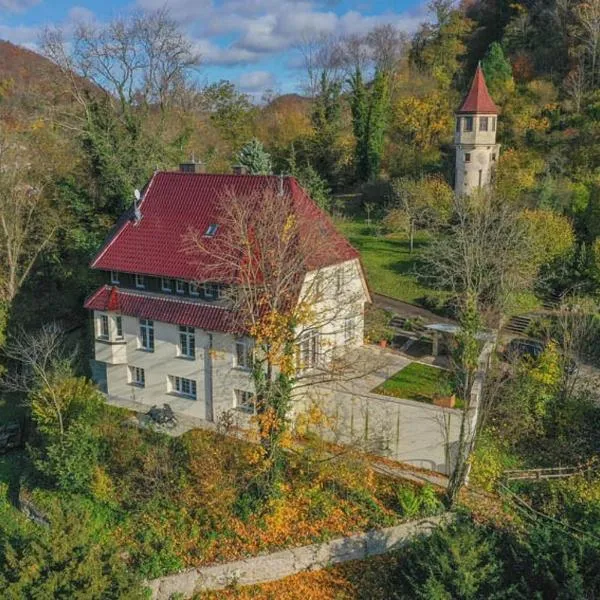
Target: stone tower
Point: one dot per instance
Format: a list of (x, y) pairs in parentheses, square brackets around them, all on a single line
[(475, 138)]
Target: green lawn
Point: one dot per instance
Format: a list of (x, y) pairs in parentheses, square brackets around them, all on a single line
[(415, 382), (389, 264)]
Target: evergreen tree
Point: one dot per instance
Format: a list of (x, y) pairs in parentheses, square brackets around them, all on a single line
[(255, 158), (498, 71), (369, 119), (326, 118), (314, 185)]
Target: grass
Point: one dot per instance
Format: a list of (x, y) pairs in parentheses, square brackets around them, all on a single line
[(415, 382), (389, 264)]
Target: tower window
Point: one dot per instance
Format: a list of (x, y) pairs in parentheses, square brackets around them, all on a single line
[(457, 123), (468, 123), (483, 123), (480, 177), (493, 158), (493, 123), (467, 157)]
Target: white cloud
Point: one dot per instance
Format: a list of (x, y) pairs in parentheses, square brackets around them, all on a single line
[(24, 36), (17, 5), (256, 81)]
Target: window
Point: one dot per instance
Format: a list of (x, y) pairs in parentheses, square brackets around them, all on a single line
[(468, 123), (318, 285), (245, 401), (137, 376), (483, 123), (243, 354), (340, 279), (103, 332), (187, 342), (467, 157), (480, 178), (183, 387), (140, 282), (211, 230), (114, 277), (147, 335), (166, 285), (308, 351), (209, 291), (194, 291), (349, 329), (180, 286), (493, 157), (493, 123), (458, 124), (119, 324)]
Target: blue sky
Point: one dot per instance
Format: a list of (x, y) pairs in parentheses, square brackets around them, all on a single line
[(250, 42)]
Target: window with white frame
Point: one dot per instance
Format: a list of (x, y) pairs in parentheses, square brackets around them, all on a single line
[(180, 286), (137, 376), (245, 401), (187, 342), (211, 230), (166, 284), (349, 329), (468, 123), (308, 351), (209, 291), (147, 335), (103, 327), (114, 277), (194, 290), (244, 351), (119, 327), (140, 281), (182, 386)]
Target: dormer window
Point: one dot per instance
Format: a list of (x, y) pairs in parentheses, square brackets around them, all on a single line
[(209, 291), (165, 285), (114, 277), (211, 230), (180, 286), (140, 282), (194, 291)]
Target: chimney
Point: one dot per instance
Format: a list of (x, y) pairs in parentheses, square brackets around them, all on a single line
[(239, 170), (193, 166)]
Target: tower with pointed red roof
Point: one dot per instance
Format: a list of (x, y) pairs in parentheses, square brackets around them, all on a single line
[(475, 138)]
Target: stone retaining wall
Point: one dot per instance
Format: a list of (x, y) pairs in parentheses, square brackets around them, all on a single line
[(271, 567)]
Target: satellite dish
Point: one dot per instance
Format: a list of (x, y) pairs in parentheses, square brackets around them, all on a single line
[(137, 194)]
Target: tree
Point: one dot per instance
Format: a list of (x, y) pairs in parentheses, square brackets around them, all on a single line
[(255, 158), (316, 187), (369, 108), (326, 118), (498, 71), (142, 58), (271, 248), (28, 221), (419, 203), (551, 235)]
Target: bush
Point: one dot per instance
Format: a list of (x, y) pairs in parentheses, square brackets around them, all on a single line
[(377, 325)]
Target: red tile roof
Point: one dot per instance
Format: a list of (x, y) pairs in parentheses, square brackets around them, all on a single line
[(478, 100), (175, 202), (160, 308)]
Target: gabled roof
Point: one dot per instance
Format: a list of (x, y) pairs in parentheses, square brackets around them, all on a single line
[(478, 100), (176, 202), (161, 308)]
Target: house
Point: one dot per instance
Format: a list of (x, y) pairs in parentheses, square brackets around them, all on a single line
[(165, 332), (475, 138)]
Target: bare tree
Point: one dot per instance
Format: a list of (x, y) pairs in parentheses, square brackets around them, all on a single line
[(587, 31), (37, 358), (320, 56), (388, 47), (27, 220), (139, 59), (278, 254)]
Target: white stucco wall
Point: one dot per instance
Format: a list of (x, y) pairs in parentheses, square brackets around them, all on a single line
[(214, 363)]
